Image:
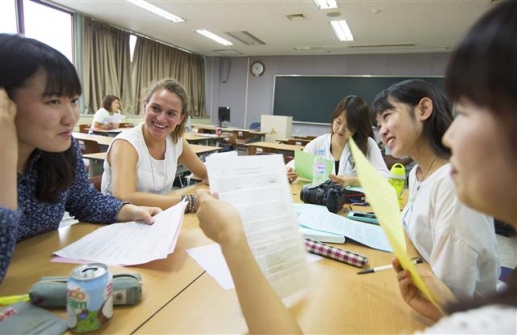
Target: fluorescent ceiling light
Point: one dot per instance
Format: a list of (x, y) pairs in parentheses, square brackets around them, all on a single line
[(213, 37), (326, 4), (341, 30), (156, 10)]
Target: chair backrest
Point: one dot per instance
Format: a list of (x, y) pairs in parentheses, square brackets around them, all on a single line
[(255, 126), (83, 128), (96, 181), (126, 125), (89, 146)]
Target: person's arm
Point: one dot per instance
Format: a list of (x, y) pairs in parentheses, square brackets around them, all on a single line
[(9, 153), (262, 308), (191, 161), (345, 181), (9, 214), (123, 158), (87, 204), (109, 126)]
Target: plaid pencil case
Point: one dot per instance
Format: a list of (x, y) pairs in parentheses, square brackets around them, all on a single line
[(337, 254), (51, 291)]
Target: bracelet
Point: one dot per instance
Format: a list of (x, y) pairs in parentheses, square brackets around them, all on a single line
[(192, 203)]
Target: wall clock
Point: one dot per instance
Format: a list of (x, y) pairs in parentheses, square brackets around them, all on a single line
[(257, 68)]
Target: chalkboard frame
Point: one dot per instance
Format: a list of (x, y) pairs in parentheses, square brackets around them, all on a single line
[(303, 106)]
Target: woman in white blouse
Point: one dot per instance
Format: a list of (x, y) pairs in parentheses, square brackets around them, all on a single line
[(350, 119)]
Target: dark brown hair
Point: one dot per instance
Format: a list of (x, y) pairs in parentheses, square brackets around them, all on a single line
[(357, 116), (108, 100)]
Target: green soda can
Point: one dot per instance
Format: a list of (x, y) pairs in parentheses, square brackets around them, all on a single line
[(89, 297)]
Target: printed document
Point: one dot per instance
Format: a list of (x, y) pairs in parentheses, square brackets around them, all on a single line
[(257, 187), (129, 243)]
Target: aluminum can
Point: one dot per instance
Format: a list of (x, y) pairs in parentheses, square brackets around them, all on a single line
[(89, 297)]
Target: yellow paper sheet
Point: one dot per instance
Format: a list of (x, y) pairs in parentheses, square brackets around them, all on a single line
[(383, 200), (303, 162)]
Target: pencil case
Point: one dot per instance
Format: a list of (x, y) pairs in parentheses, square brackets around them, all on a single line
[(51, 291)]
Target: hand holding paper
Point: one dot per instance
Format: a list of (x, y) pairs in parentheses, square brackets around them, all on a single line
[(383, 200)]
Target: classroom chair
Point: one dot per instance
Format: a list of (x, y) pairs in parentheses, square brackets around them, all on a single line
[(96, 181), (84, 128), (255, 126), (89, 146), (126, 125)]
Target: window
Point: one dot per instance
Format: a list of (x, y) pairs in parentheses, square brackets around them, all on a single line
[(8, 17), (49, 25)]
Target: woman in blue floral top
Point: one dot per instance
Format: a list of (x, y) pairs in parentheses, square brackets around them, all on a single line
[(42, 173)]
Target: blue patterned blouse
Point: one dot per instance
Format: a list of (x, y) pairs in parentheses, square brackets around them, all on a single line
[(34, 217)]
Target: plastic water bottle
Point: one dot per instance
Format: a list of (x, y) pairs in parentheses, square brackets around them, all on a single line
[(398, 180), (319, 169)]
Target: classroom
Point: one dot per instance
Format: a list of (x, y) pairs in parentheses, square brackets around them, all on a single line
[(276, 74)]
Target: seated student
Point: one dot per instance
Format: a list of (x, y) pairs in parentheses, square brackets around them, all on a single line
[(110, 107), (141, 162), (414, 116), (481, 77), (41, 170), (351, 118)]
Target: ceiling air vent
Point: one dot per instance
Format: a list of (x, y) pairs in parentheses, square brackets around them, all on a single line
[(228, 52), (295, 17), (245, 37)]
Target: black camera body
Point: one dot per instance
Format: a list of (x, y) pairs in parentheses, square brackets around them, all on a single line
[(329, 194)]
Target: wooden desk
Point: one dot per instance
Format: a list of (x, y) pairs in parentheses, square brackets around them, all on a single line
[(273, 147), (339, 302), (205, 139), (103, 141), (204, 128), (163, 280), (294, 141), (97, 159)]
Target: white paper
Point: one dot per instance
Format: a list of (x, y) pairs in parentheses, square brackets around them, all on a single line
[(129, 243), (258, 188), (364, 233), (211, 259)]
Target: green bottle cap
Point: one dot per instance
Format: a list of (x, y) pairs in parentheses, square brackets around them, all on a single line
[(398, 171)]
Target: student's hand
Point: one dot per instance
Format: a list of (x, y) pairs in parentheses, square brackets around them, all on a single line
[(414, 297), (137, 213), (110, 126), (342, 180), (219, 220), (291, 174), (7, 110)]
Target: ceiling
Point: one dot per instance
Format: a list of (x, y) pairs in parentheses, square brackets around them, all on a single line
[(382, 26)]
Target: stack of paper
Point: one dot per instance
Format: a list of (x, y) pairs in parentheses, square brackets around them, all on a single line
[(129, 243), (317, 235)]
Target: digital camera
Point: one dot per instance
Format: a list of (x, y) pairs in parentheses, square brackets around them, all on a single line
[(329, 194)]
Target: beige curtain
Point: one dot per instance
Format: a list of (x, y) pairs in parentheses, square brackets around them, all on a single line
[(153, 61), (106, 65)]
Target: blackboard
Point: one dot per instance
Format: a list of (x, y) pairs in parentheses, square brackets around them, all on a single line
[(313, 98)]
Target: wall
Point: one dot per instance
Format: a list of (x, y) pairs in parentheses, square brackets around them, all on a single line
[(229, 83)]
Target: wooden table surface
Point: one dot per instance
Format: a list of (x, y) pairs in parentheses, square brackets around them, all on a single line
[(179, 297)]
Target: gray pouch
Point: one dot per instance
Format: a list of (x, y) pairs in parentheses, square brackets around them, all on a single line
[(24, 318), (51, 291)]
